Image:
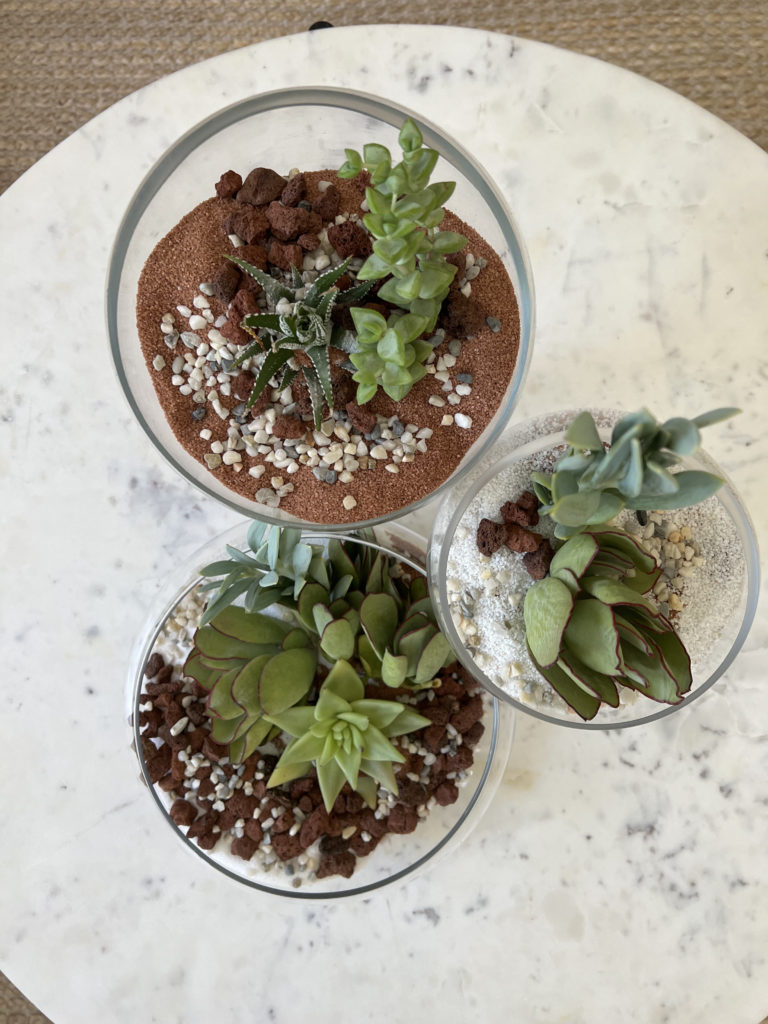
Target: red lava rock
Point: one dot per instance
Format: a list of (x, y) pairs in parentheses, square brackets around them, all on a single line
[(288, 426), (254, 830), (227, 818), (413, 794), (470, 713), (160, 764), (490, 536), (402, 820), (205, 788), (195, 740), (433, 737), (285, 256), (473, 734), (256, 255), (362, 419), (288, 222), (523, 511), (336, 864), (459, 761), (537, 562), (294, 191), (286, 846), (168, 784), (435, 712), (154, 664), (208, 840), (260, 187), (447, 793), (203, 824), (519, 539), (461, 317), (343, 388), (235, 334), (228, 185), (225, 281), (308, 242), (328, 203), (242, 805), (350, 239), (250, 224), (152, 719), (212, 750), (178, 769), (314, 826), (361, 846), (244, 847)]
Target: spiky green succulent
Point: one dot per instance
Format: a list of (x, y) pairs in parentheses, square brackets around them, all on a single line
[(251, 665), (346, 737), (591, 483), (307, 330), (404, 216), (591, 630)]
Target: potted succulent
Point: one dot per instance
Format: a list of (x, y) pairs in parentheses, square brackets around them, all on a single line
[(583, 573), (333, 345), (298, 707)]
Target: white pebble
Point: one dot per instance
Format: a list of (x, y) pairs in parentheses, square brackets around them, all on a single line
[(463, 421)]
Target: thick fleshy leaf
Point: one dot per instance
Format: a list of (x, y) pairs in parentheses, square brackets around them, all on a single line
[(582, 433), (547, 609), (586, 705), (367, 789), (213, 644), (380, 713), (614, 592), (285, 772), (629, 633), (693, 486), (248, 627), (331, 779), (432, 659), (378, 617), (202, 674), (576, 554), (575, 509), (406, 722), (311, 594), (349, 762), (600, 684), (376, 746), (286, 678), (303, 748), (223, 729), (650, 676), (370, 660), (245, 685), (626, 544), (294, 721), (706, 419), (256, 724), (295, 638), (394, 669), (382, 772), (413, 642), (676, 659), (338, 640), (682, 435), (592, 637), (220, 702), (345, 682), (330, 705)]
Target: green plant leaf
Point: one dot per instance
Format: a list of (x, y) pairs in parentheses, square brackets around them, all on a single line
[(407, 721), (285, 772), (601, 685), (586, 705), (245, 685), (294, 721), (345, 682), (706, 419), (592, 637), (394, 669), (576, 555), (376, 747), (286, 678), (410, 137), (338, 640), (547, 608), (693, 486), (250, 628), (433, 657), (582, 433), (331, 779), (379, 619)]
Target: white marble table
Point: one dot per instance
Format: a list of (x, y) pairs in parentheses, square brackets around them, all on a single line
[(618, 877)]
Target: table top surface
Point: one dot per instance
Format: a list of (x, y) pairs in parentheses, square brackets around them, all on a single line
[(616, 875)]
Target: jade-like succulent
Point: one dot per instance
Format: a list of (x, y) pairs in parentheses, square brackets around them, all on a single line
[(390, 353), (404, 216), (386, 622), (346, 737), (590, 630), (252, 665), (298, 341), (274, 572), (591, 483)]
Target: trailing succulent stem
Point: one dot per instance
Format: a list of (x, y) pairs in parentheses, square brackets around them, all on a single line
[(590, 629), (346, 737), (592, 483), (405, 213), (307, 328)]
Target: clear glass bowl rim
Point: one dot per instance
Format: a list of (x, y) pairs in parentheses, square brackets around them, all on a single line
[(373, 106), (506, 454), (502, 723)]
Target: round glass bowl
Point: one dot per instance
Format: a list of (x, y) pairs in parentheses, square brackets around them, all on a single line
[(479, 602), (308, 129), (396, 856)]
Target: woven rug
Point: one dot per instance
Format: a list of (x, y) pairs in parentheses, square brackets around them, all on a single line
[(64, 61)]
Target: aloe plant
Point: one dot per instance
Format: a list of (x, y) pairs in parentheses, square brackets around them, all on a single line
[(590, 629), (251, 665), (345, 736), (308, 328), (405, 213), (591, 483)]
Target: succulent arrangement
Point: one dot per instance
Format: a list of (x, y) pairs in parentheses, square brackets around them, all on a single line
[(592, 483), (348, 606), (405, 213), (298, 341), (590, 629), (590, 625)]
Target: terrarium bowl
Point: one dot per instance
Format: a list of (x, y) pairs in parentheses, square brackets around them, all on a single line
[(307, 128), (397, 856), (727, 585)]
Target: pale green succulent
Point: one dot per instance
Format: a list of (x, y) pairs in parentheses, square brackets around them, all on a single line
[(308, 328), (251, 665), (346, 737), (390, 353), (590, 630), (592, 484)]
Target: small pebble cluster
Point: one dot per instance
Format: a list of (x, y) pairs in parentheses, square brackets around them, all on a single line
[(676, 551), (206, 373), (228, 809)]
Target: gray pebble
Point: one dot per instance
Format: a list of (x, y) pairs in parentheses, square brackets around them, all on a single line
[(331, 476), (397, 428), (227, 364), (190, 339), (493, 323), (464, 378), (454, 347), (171, 339), (319, 473), (198, 413)]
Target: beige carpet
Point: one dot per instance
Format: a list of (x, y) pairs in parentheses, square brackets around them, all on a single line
[(65, 61)]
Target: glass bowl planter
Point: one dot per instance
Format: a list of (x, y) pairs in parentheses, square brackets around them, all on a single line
[(396, 856), (719, 596), (309, 129)]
